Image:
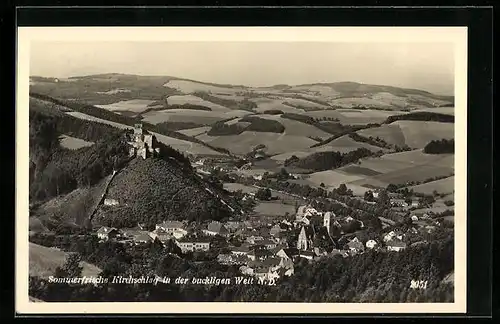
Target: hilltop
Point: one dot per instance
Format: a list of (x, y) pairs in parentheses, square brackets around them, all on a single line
[(68, 184)]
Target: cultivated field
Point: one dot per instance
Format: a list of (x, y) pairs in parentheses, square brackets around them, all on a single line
[(273, 209), (415, 134), (194, 100), (439, 110), (243, 143), (361, 101), (446, 185), (135, 105), (201, 117), (331, 178), (264, 104), (345, 144), (43, 262), (73, 143), (195, 131), (297, 128), (233, 186), (187, 87)]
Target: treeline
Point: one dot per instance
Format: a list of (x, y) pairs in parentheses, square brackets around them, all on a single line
[(422, 116), (339, 130), (443, 146), (187, 106), (329, 125), (221, 128), (368, 277), (176, 125), (375, 141), (321, 161), (244, 104)]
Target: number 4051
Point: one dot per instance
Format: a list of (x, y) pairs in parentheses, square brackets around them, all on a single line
[(418, 284)]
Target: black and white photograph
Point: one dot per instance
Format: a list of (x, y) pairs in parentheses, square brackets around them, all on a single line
[(240, 166)]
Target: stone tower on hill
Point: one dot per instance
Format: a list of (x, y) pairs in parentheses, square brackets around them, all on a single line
[(142, 144)]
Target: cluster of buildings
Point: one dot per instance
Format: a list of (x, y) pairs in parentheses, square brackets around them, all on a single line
[(267, 250)]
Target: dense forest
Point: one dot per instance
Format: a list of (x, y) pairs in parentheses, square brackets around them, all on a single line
[(247, 123), (321, 161), (422, 116), (55, 170), (369, 277), (443, 146)]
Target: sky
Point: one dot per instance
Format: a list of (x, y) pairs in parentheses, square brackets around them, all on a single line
[(425, 66)]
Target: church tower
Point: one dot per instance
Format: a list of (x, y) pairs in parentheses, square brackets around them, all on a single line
[(326, 221)]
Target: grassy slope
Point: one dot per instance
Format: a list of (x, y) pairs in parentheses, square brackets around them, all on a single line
[(43, 261)]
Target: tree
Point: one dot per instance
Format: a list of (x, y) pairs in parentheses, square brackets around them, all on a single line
[(263, 194), (392, 187), (368, 195), (71, 268), (383, 198), (342, 189)]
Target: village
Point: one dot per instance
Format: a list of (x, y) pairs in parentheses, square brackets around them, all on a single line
[(268, 247), (269, 250)]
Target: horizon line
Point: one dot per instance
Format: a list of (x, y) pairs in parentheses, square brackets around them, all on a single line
[(239, 85)]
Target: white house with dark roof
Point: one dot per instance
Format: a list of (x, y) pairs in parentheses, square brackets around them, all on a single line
[(174, 228), (396, 245), (105, 233), (191, 245)]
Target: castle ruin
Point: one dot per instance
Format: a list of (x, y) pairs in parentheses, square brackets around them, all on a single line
[(142, 143)]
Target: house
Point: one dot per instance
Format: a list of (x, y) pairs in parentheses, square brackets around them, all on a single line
[(216, 228), (259, 254), (231, 259), (246, 270), (244, 249), (175, 228), (355, 246), (268, 244), (335, 252), (395, 245), (141, 237), (161, 235), (275, 230), (192, 245), (393, 234), (233, 226), (278, 248), (254, 239), (110, 202), (288, 253), (371, 244), (414, 218), (307, 254), (106, 233)]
